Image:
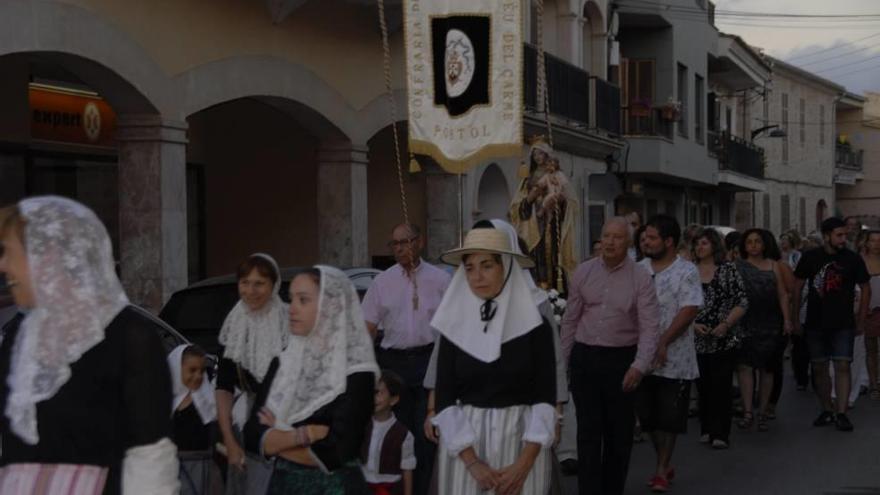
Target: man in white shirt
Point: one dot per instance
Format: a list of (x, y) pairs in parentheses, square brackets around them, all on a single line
[(663, 398)]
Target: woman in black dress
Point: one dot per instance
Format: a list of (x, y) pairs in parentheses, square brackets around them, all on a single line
[(86, 393), (254, 332), (317, 397), (717, 335), (496, 374), (765, 325)]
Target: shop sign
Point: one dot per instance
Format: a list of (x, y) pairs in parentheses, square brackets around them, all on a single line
[(70, 116)]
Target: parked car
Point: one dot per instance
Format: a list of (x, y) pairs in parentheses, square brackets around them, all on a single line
[(199, 310), (171, 338)]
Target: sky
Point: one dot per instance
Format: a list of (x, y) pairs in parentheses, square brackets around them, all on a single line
[(844, 51)]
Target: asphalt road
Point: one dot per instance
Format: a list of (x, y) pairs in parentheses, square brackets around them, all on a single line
[(792, 458)]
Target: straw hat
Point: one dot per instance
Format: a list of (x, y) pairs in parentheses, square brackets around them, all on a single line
[(486, 241)]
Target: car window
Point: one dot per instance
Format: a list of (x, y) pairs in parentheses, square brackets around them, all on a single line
[(204, 307)]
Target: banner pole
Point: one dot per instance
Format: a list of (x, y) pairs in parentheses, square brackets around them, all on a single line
[(460, 209)]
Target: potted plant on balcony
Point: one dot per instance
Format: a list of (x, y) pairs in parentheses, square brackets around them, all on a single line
[(640, 107), (671, 110)]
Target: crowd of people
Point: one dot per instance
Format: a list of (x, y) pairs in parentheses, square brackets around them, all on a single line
[(441, 381)]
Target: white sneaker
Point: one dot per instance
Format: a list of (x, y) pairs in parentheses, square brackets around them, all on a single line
[(719, 444)]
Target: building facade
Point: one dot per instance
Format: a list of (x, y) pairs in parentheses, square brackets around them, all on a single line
[(799, 172), (686, 114), (857, 158), (203, 132)]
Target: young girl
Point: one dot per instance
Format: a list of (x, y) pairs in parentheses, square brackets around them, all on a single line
[(194, 414)]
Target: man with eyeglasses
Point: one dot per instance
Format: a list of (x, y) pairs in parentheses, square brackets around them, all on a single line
[(401, 301)]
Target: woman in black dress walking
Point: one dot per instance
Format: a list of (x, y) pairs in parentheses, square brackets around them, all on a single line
[(765, 324)]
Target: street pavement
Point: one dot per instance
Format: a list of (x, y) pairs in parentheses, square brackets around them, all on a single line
[(792, 458)]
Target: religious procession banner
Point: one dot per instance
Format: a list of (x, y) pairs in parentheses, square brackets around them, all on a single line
[(464, 62)]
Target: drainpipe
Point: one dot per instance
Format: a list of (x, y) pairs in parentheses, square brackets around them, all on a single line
[(835, 209)]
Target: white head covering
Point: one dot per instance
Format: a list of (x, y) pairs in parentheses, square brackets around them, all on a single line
[(313, 369), (539, 295), (459, 317), (203, 398), (77, 294), (253, 338)]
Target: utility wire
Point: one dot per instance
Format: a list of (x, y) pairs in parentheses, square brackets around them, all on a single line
[(744, 13), (857, 71), (767, 23), (850, 64), (839, 55), (825, 50)]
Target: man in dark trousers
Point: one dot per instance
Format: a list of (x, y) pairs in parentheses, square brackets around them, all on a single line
[(609, 337)]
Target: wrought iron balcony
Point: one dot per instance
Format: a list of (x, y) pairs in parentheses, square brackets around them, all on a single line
[(848, 157), (584, 101), (737, 154)]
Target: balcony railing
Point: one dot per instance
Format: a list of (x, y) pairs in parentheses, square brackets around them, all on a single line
[(847, 157), (648, 122), (606, 105), (737, 154), (585, 101)]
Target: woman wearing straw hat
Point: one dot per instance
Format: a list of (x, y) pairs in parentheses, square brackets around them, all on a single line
[(496, 379)]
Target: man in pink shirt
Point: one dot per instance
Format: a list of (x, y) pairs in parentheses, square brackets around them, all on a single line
[(609, 336), (402, 301)]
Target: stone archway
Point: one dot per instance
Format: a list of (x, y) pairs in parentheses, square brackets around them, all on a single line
[(278, 177), (150, 136), (594, 48)]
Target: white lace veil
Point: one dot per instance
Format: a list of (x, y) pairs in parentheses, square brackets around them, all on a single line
[(77, 295), (203, 398), (253, 338), (313, 368)]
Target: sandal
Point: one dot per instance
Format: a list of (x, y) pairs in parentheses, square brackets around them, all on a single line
[(747, 420), (762, 423)]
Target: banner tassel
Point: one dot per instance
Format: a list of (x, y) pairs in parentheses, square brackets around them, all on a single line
[(414, 166)]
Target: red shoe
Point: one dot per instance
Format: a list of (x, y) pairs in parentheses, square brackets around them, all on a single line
[(670, 475), (659, 484)]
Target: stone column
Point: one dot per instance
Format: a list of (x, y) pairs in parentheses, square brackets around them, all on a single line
[(152, 208), (342, 204), (441, 191), (569, 37)]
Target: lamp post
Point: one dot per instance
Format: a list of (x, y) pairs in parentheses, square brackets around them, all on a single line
[(778, 132)]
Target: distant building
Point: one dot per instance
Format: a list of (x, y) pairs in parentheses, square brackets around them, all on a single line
[(687, 113), (857, 158), (799, 171)]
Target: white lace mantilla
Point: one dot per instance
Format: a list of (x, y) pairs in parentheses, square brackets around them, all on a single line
[(253, 338), (77, 295), (314, 368)]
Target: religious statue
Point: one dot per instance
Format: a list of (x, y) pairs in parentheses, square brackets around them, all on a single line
[(543, 211)]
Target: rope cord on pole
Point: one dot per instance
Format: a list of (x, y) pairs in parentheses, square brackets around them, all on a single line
[(387, 69), (542, 87)]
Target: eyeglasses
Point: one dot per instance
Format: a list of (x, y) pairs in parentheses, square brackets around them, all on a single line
[(402, 242)]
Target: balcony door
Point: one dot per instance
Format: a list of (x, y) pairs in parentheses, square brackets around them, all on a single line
[(637, 78)]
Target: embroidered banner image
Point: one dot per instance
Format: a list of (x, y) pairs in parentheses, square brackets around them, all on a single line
[(464, 63), (460, 46)]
